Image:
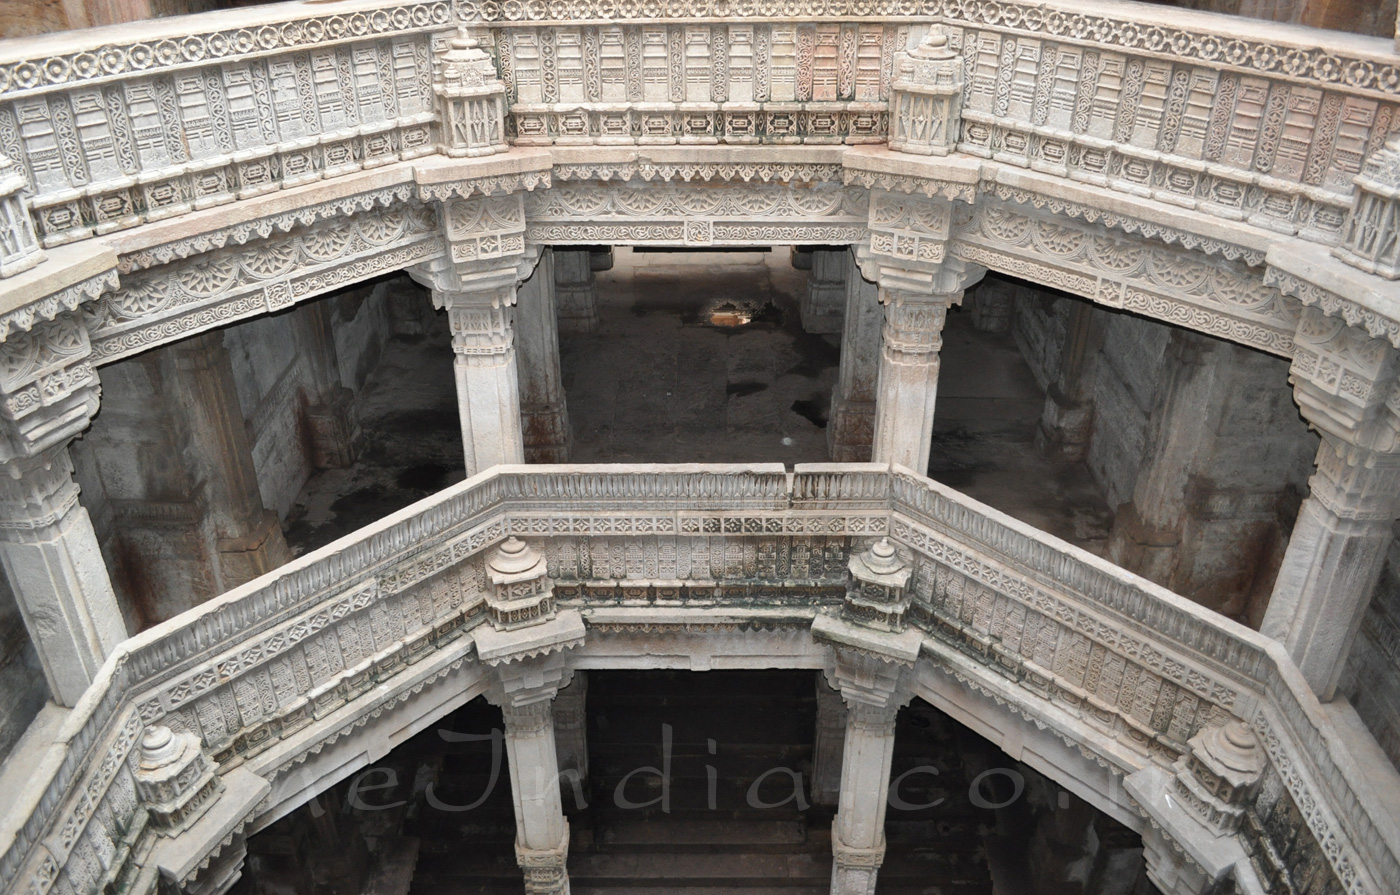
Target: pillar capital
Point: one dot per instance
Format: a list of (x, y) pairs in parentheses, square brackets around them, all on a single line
[(48, 388), (1354, 483), (874, 687)]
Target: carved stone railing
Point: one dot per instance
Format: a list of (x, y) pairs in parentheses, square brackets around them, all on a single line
[(1237, 118), (137, 123), (289, 663)]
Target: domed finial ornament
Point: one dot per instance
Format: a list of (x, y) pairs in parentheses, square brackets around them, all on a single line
[(1371, 235), (521, 591), (1218, 776), (19, 242), (174, 778), (877, 595)]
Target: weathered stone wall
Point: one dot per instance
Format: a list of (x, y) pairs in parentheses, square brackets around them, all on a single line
[(272, 377), (1128, 369), (1375, 17), (1039, 323), (1371, 680), (22, 688), (362, 326), (23, 18)]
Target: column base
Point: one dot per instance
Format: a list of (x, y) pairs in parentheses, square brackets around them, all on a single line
[(851, 431), (853, 870), (243, 559), (547, 435), (334, 430), (545, 869)]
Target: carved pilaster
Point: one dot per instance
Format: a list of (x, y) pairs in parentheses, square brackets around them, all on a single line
[(926, 98), (471, 100), (19, 244), (851, 431)]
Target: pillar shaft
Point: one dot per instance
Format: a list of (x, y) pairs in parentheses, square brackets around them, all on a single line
[(541, 832), (544, 419), (332, 424), (571, 726), (488, 390), (55, 568), (248, 539), (1334, 559), (830, 745), (576, 295), (851, 431), (824, 302), (1066, 423), (908, 377), (858, 832)]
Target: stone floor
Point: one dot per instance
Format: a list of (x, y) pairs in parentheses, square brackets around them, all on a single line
[(661, 381)]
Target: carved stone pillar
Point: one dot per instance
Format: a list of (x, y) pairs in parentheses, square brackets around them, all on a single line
[(830, 745), (48, 393), (1334, 559), (1344, 382), (571, 727), (488, 389), (543, 417), (332, 424), (55, 568), (851, 432), (526, 642), (824, 303), (874, 691), (576, 297), (1066, 423), (908, 378), (248, 540)]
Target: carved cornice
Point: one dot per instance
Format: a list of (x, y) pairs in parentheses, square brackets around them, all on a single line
[(665, 172)]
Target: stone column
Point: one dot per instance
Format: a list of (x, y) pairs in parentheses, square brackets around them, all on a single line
[(332, 423), (48, 393), (916, 308), (1067, 421), (823, 304), (55, 568), (851, 432), (830, 746), (571, 727), (488, 390), (541, 830), (543, 417), (1334, 559), (874, 690), (575, 294), (247, 537)]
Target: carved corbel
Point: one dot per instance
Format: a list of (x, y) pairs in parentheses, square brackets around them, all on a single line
[(1345, 382)]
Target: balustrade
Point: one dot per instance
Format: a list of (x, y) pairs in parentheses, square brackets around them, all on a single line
[(268, 671)]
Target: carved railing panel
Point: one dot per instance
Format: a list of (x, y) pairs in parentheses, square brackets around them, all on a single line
[(114, 134), (1126, 666)]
